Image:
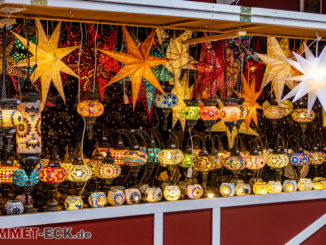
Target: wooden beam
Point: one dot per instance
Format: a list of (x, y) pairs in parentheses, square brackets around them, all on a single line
[(215, 37)]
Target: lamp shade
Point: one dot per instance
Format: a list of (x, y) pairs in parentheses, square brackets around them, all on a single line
[(135, 158), (274, 112), (170, 156), (290, 185), (274, 187), (172, 192), (299, 159), (79, 172), (302, 116), (153, 154), (191, 111), (107, 171), (209, 112), (90, 108), (227, 189), (203, 163), (53, 175), (6, 173), (20, 178), (10, 117), (255, 162), (316, 157), (260, 188), (166, 101), (305, 184), (234, 163), (230, 113), (117, 155), (274, 160)]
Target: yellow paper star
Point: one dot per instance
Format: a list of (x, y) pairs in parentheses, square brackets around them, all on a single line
[(137, 63), (221, 127), (277, 69), (250, 96), (47, 56), (183, 92), (178, 56)]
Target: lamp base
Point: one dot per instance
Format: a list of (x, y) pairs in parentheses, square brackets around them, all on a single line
[(29, 208), (53, 206)]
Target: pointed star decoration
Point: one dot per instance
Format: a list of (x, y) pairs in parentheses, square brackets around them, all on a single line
[(221, 127), (313, 80), (250, 95), (177, 54), (277, 69), (137, 63), (48, 58), (183, 92)]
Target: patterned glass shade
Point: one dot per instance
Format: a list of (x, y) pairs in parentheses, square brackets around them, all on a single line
[(29, 136), (274, 187), (135, 158), (166, 101), (117, 155), (90, 108), (209, 113), (53, 175), (317, 157), (230, 113), (170, 156), (190, 113), (152, 154), (274, 112), (186, 161), (302, 115), (218, 159), (20, 178), (194, 191), (74, 203), (255, 162), (290, 185), (79, 173), (203, 163), (172, 192), (107, 171), (10, 118), (305, 184), (274, 160), (260, 188), (6, 174), (234, 163), (299, 159), (92, 164), (227, 189)]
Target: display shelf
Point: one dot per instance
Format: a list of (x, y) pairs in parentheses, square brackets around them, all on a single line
[(154, 208), (218, 18)]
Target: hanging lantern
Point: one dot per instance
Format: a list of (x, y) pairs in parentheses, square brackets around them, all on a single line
[(209, 113), (135, 157), (274, 112), (191, 112), (166, 102), (170, 156), (90, 108)]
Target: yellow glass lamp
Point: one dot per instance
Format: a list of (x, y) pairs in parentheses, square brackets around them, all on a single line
[(107, 170), (277, 160), (260, 188), (274, 187), (305, 184), (319, 183), (172, 192), (78, 171)]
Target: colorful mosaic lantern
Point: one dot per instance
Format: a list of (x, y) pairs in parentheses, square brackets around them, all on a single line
[(170, 156), (194, 191), (274, 187), (277, 159), (319, 183), (74, 203), (302, 116), (235, 161), (260, 188), (53, 175), (13, 207), (6, 173), (274, 112), (116, 197), (20, 178), (172, 192), (231, 112), (209, 113), (135, 158), (133, 196), (78, 171), (96, 160), (316, 157), (305, 184), (191, 112), (153, 194), (90, 108), (10, 117), (242, 189), (255, 161), (108, 169), (299, 158), (203, 162), (97, 199), (290, 185), (117, 153), (227, 189)]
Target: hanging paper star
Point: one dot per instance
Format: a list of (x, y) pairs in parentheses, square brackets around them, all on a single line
[(251, 96), (277, 69), (183, 92), (313, 80), (178, 56), (209, 73), (137, 63), (48, 58)]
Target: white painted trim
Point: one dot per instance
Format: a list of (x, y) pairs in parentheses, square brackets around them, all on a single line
[(308, 232), (216, 223), (158, 229), (152, 208)]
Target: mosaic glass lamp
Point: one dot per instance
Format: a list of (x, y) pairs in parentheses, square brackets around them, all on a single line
[(191, 112), (209, 113)]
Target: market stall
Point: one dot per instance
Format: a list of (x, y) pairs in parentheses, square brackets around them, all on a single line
[(173, 122)]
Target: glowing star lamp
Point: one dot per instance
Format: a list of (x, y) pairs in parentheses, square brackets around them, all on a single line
[(166, 103), (53, 175), (209, 113), (90, 108), (191, 112)]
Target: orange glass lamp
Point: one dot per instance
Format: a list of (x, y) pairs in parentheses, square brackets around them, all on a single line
[(191, 112), (118, 152), (90, 108), (209, 113), (6, 171), (53, 175)]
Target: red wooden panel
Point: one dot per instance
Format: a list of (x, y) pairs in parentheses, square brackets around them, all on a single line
[(319, 238), (270, 223), (187, 228), (119, 231)]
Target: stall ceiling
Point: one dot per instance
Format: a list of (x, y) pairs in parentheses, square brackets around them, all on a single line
[(176, 14)]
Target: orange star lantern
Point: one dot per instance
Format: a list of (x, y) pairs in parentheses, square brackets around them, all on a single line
[(250, 95), (137, 63)]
